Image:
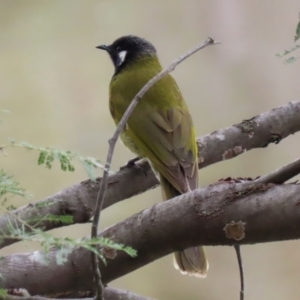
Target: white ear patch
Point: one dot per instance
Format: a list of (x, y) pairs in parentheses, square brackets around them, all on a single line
[(122, 56)]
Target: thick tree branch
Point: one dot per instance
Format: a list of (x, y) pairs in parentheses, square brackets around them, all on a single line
[(226, 213), (116, 294), (257, 132), (109, 294), (79, 200)]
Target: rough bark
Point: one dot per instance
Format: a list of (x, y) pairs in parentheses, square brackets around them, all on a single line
[(225, 213), (109, 294)]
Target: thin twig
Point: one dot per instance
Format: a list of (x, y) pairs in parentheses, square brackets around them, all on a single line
[(112, 143), (2, 150), (241, 270), (282, 174)]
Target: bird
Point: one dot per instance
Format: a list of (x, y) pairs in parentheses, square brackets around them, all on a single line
[(160, 128)]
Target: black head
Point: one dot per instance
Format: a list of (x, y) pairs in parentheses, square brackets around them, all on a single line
[(126, 49)]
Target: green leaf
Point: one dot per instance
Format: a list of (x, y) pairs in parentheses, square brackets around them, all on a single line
[(48, 155), (297, 36), (290, 60), (65, 219), (3, 293), (42, 157)]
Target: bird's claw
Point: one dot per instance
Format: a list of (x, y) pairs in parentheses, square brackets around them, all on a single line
[(132, 164)]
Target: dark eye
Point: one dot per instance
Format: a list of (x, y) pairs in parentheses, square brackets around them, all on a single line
[(118, 49)]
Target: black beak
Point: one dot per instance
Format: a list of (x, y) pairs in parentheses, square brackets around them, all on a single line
[(104, 47)]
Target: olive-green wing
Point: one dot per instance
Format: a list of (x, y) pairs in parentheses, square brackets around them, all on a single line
[(167, 139)]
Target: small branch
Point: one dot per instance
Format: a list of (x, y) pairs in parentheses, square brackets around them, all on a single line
[(240, 263), (112, 143), (283, 174)]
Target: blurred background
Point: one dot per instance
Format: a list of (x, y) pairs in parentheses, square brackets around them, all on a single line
[(55, 84)]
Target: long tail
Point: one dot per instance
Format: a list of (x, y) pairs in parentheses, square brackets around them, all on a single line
[(191, 261)]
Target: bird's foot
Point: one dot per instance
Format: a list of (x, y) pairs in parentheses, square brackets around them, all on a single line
[(132, 164)]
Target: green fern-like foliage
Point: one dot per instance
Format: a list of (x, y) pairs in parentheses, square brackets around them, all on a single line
[(287, 52), (291, 59), (31, 230), (48, 155), (10, 186), (297, 36), (64, 219), (102, 247)]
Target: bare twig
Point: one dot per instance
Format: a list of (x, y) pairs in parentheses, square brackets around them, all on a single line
[(241, 271), (112, 143), (283, 174)]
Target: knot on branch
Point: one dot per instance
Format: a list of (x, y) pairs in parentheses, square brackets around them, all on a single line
[(235, 230)]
